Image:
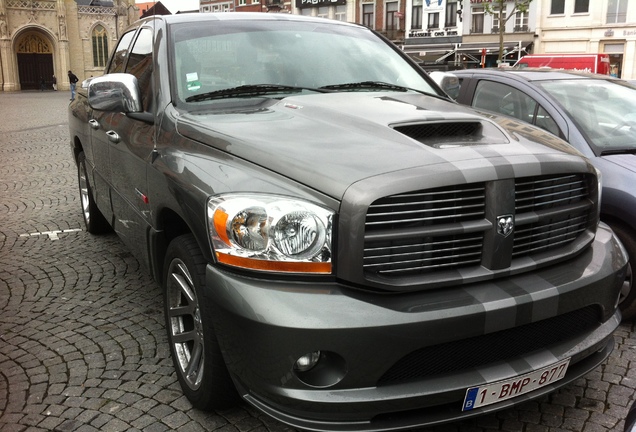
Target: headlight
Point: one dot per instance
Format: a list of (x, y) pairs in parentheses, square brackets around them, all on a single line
[(270, 233)]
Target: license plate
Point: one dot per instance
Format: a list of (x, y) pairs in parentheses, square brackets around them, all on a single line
[(502, 390)]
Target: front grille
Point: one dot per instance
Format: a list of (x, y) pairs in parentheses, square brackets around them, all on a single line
[(561, 206), (453, 228), (406, 230), (490, 348)]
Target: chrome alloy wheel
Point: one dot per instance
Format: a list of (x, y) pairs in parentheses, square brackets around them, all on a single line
[(84, 193), (184, 321)]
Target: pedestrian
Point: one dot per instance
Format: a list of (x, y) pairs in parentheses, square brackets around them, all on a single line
[(54, 83), (72, 78)]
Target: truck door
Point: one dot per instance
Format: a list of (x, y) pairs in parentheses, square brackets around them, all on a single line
[(130, 146), (99, 140)]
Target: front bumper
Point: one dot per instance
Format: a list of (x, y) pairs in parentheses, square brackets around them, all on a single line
[(264, 326)]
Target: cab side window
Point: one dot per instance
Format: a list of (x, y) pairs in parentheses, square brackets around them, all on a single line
[(121, 53), (544, 121), (509, 101), (140, 65)]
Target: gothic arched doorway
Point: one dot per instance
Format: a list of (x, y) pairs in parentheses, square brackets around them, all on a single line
[(35, 61)]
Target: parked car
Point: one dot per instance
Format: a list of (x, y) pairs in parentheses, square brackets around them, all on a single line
[(339, 243), (595, 113)]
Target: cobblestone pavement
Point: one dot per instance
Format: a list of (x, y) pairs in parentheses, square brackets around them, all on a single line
[(82, 343)]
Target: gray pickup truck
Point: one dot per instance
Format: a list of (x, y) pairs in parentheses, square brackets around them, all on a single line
[(339, 244)]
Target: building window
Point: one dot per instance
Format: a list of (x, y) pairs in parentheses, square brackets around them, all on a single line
[(323, 12), (391, 16), (496, 23), (521, 22), (416, 15), (242, 2), (433, 20), (341, 13), (100, 46), (557, 7), (477, 25), (617, 11), (581, 6), (367, 15), (451, 14)]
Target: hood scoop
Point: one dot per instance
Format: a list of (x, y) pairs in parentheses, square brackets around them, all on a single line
[(453, 133)]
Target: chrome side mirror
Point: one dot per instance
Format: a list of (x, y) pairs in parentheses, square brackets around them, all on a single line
[(117, 92), (447, 81)]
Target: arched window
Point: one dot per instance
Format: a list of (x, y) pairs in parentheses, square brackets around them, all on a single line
[(100, 46)]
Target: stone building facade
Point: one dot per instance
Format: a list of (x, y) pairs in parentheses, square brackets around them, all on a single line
[(40, 39)]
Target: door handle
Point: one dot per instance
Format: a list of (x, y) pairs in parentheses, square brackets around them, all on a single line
[(94, 123), (113, 136)]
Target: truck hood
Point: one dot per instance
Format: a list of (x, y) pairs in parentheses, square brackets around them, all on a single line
[(331, 141)]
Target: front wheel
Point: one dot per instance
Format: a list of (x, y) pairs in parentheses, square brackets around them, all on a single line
[(627, 301), (195, 351)]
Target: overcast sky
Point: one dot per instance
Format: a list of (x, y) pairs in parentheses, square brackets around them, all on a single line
[(177, 5)]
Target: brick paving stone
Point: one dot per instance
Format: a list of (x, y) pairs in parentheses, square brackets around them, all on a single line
[(82, 339), (175, 420)]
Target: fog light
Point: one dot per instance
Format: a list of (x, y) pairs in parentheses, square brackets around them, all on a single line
[(307, 362), (320, 369)]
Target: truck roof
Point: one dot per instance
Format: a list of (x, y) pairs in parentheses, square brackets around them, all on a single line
[(243, 16)]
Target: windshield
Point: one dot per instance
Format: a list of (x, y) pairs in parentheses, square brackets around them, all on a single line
[(604, 110), (304, 55)]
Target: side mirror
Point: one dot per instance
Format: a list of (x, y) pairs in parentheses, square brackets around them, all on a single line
[(117, 92), (447, 81)]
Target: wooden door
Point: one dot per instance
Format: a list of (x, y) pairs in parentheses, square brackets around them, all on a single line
[(33, 68)]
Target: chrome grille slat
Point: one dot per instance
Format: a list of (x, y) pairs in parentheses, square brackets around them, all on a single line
[(428, 256), (435, 267), (410, 199), (430, 218), (533, 181), (427, 260), (551, 202), (419, 245), (542, 248), (521, 234)]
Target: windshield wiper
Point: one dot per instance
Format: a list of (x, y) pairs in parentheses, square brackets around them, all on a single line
[(618, 151), (249, 90), (366, 85)]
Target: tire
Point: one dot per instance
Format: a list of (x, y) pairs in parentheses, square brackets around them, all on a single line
[(196, 355), (627, 301), (94, 220)]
